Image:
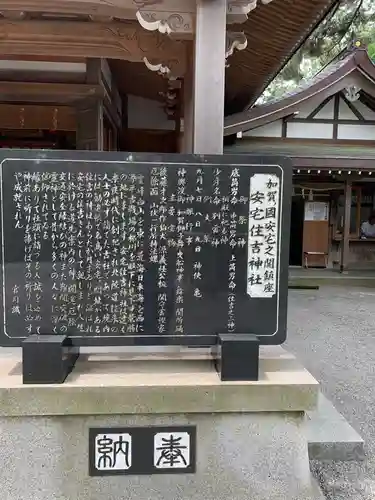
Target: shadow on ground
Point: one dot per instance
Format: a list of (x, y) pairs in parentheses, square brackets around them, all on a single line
[(332, 332)]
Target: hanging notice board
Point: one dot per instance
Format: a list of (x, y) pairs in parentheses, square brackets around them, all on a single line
[(122, 249)]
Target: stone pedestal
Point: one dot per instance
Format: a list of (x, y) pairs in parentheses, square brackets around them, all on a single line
[(251, 440)]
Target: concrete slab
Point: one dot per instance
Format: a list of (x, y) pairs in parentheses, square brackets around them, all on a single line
[(251, 437), (300, 278), (163, 382), (318, 493), (330, 436)]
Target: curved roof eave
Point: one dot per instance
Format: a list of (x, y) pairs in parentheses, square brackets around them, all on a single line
[(325, 84)]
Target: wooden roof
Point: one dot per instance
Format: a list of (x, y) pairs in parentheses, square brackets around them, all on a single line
[(354, 69), (314, 156), (274, 32), (270, 45)]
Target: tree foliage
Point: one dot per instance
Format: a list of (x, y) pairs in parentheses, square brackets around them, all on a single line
[(350, 22)]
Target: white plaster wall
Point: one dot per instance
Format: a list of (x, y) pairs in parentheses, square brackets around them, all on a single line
[(147, 114), (325, 113), (309, 130), (306, 109), (271, 130), (345, 113), (366, 112), (353, 132)]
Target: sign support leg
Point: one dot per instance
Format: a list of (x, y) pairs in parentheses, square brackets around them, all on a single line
[(238, 357), (47, 359)]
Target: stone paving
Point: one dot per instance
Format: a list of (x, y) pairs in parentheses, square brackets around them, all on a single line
[(332, 332)]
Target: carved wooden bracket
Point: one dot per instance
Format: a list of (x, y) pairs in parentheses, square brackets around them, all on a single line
[(238, 10), (175, 17), (171, 97), (160, 68), (120, 9), (352, 93), (234, 40), (167, 68), (109, 8), (170, 23), (170, 104), (114, 40)]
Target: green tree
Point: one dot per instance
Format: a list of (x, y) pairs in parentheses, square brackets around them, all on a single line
[(350, 21)]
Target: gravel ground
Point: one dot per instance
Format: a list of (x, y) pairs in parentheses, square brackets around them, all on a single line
[(332, 332)]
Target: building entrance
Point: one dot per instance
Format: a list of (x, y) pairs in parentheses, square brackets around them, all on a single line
[(296, 231)]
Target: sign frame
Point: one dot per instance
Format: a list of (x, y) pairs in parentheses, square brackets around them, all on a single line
[(198, 339)]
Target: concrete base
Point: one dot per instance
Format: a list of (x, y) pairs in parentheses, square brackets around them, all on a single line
[(330, 436), (239, 456), (251, 437)]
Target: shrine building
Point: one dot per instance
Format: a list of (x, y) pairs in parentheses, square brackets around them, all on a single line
[(140, 75), (327, 127)]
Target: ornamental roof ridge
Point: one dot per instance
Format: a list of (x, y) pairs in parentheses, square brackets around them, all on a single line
[(324, 83)]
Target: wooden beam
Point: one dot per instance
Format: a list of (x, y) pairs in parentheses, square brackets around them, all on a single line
[(319, 108), (13, 14), (337, 163), (93, 71), (90, 125), (336, 113), (352, 108), (329, 121), (122, 9), (346, 230), (90, 113), (53, 93), (174, 16), (124, 102), (209, 77), (112, 40), (284, 128), (368, 101), (29, 117)]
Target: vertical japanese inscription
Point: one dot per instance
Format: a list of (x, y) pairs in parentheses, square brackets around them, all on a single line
[(197, 230), (180, 258), (85, 231), (146, 249), (262, 262), (159, 184)]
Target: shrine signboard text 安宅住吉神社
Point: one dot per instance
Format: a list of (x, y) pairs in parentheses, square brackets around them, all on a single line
[(120, 249)]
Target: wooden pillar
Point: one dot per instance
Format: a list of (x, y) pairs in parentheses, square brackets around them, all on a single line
[(90, 113), (209, 76), (346, 229), (188, 107), (90, 130)]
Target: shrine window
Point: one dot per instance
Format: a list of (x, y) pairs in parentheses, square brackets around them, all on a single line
[(363, 203)]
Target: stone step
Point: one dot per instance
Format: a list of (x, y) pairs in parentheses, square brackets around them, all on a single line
[(330, 279), (330, 436)]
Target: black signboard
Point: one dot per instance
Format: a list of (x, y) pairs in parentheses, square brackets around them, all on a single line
[(142, 450), (123, 249), (118, 249)]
